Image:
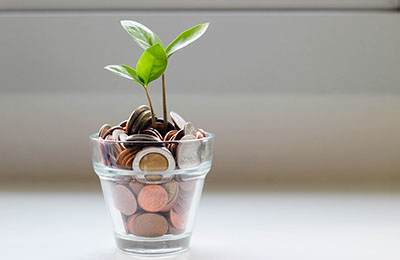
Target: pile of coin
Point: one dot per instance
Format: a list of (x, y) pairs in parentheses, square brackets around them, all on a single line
[(156, 203), (153, 210), (146, 147)]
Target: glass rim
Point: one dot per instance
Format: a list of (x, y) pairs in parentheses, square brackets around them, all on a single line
[(95, 138)]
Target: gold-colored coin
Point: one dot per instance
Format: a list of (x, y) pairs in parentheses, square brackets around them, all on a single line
[(154, 159), (153, 162), (153, 177)]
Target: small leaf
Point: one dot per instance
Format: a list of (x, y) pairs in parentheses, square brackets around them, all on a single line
[(140, 34), (125, 72), (186, 38), (152, 64)]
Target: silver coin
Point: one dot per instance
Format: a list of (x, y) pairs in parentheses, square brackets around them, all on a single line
[(188, 152), (179, 122), (189, 129), (149, 178), (117, 133), (152, 178), (167, 159), (123, 137)]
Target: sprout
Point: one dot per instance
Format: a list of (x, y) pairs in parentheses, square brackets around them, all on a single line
[(153, 62)]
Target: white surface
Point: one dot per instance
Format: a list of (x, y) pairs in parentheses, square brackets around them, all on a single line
[(229, 226)]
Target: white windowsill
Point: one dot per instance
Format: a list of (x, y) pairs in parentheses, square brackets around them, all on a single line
[(274, 225)]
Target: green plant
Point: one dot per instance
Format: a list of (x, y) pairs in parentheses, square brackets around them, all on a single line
[(150, 66), (153, 62)]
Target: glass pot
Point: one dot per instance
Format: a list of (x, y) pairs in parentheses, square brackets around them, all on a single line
[(152, 190)]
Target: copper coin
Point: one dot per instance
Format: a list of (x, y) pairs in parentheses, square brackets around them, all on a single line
[(124, 200), (158, 134), (129, 223), (103, 129), (111, 130), (129, 162), (149, 225), (118, 148), (178, 220), (126, 155), (179, 135), (200, 134), (153, 132), (123, 123), (147, 122), (136, 186), (132, 118), (152, 198), (169, 134), (160, 126), (122, 156), (173, 146), (170, 139)]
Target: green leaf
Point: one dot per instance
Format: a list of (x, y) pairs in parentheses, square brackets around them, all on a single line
[(186, 38), (125, 72), (140, 34), (152, 64)]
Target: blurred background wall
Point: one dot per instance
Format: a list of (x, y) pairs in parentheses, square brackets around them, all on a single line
[(295, 91)]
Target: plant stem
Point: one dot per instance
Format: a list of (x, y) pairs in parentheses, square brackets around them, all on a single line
[(153, 119), (164, 101)]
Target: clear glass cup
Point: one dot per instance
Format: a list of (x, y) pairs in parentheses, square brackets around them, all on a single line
[(153, 197)]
